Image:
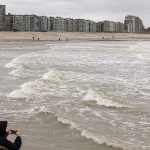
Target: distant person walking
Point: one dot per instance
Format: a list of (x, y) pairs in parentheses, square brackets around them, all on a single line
[(4, 142), (59, 39), (33, 37)]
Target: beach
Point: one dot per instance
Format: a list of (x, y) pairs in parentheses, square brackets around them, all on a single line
[(54, 36), (84, 92)]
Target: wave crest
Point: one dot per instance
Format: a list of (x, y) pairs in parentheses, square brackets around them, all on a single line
[(94, 96), (52, 75)]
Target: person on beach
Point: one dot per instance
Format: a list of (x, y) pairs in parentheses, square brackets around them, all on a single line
[(4, 142)]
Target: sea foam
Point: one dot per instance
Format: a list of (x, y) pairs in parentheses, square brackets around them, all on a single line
[(52, 75), (94, 96)]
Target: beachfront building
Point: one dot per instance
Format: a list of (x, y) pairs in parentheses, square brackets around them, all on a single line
[(18, 22), (43, 23), (133, 24), (2, 14), (69, 25), (50, 24), (99, 27), (82, 25), (119, 27), (109, 26), (92, 26), (8, 22), (59, 24), (26, 23)]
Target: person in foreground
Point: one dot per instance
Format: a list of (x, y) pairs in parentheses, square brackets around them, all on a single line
[(4, 142)]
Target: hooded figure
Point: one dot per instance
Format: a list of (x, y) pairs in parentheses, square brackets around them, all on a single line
[(3, 126), (5, 142)]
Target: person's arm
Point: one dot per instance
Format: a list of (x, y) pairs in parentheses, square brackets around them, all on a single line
[(10, 145)]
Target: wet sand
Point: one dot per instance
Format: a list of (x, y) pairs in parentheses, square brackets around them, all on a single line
[(69, 36)]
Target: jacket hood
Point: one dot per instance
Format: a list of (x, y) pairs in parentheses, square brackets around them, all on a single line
[(3, 126)]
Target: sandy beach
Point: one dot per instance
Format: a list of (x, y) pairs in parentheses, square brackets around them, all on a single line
[(54, 36)]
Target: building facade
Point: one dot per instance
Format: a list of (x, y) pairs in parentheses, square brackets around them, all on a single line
[(33, 23), (99, 27), (43, 23), (8, 22), (2, 15), (108, 26), (133, 24), (50, 24), (28, 23), (119, 27)]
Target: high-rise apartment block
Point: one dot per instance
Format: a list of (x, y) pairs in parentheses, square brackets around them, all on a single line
[(99, 27), (2, 14), (8, 25), (133, 24), (26, 23), (43, 23), (33, 23), (111, 26)]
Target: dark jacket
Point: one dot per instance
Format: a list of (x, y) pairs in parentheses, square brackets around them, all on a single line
[(5, 142)]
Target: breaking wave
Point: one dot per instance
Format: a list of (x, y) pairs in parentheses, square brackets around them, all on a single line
[(29, 90), (94, 96), (88, 135), (52, 75), (21, 72)]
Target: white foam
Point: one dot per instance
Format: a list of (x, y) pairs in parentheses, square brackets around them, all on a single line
[(21, 72), (68, 122), (29, 90), (86, 134), (93, 96), (52, 75), (15, 63), (143, 56), (36, 110), (100, 140)]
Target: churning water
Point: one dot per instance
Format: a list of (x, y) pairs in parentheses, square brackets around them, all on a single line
[(101, 89)]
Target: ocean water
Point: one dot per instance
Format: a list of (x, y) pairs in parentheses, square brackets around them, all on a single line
[(77, 95)]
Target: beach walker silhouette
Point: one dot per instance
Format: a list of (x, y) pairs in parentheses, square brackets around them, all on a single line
[(4, 142)]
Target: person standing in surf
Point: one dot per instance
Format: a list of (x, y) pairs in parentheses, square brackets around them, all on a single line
[(4, 142)]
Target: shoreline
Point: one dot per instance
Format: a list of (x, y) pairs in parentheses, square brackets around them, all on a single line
[(70, 36)]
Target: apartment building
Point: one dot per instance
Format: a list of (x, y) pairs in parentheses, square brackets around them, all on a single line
[(43, 23), (50, 24), (69, 25), (8, 22), (99, 27), (109, 26), (33, 23), (133, 24), (119, 27), (26, 23), (92, 26), (2, 14), (59, 24), (80, 25)]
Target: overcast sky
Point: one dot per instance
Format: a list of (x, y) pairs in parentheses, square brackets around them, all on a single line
[(97, 10)]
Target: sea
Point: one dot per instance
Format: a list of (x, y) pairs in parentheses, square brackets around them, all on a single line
[(77, 95)]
